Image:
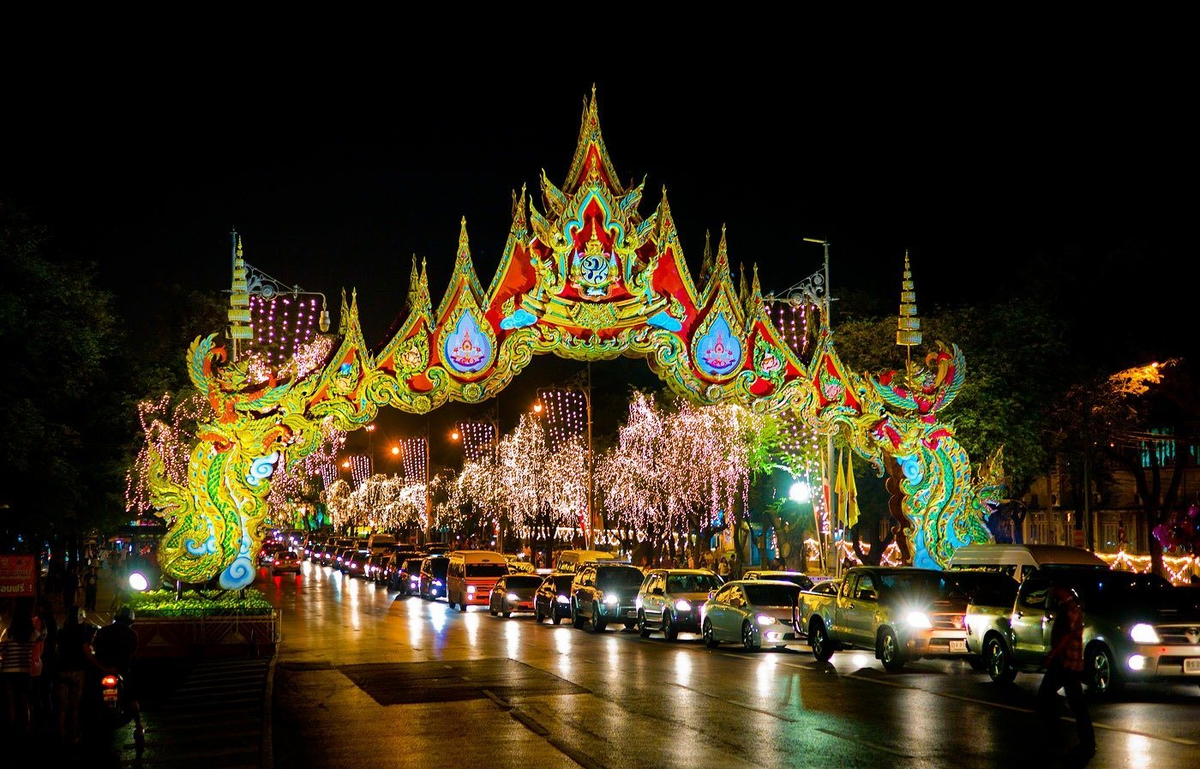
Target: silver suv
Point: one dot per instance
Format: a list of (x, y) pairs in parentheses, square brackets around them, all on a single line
[(671, 600)]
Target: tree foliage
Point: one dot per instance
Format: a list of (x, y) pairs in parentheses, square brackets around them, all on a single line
[(59, 464)]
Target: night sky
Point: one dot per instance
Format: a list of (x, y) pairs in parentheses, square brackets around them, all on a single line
[(986, 170)]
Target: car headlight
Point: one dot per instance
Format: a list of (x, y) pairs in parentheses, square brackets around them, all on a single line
[(918, 619), (765, 619), (437, 583), (682, 605), (563, 599), (1142, 633), (512, 597), (470, 590), (611, 599), (415, 580)]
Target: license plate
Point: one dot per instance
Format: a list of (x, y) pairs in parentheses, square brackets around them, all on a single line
[(1191, 666), (958, 647), (110, 695)]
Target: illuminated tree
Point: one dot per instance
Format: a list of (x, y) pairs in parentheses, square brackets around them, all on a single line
[(681, 469)]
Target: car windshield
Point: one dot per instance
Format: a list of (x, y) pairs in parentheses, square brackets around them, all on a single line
[(524, 582), (910, 582), (617, 578), (437, 566), (563, 584), (771, 595), (692, 583), (486, 569), (412, 564)]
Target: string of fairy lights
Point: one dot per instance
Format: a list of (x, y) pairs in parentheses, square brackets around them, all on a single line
[(478, 440), (798, 440), (564, 413), (360, 468), (412, 459), (282, 325)]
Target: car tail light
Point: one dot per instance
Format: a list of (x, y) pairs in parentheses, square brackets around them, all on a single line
[(109, 681)]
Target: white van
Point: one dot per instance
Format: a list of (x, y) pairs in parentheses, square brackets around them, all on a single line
[(569, 560), (380, 543), (471, 575), (1018, 561)]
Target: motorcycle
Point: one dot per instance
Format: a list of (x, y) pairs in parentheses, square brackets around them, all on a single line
[(113, 709)]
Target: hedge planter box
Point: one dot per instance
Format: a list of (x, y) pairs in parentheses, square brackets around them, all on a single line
[(218, 636)]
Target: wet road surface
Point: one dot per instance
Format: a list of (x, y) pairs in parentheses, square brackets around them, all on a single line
[(368, 678)]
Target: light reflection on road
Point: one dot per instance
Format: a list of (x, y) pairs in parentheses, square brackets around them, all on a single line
[(683, 667)]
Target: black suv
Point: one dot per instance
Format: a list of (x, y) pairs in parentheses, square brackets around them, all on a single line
[(603, 593), (553, 598)]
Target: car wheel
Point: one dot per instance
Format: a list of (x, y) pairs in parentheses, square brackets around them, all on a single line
[(576, 620), (507, 614), (598, 624), (555, 617), (889, 651), (462, 605), (710, 640), (670, 632), (750, 640), (491, 611), (995, 656), (1100, 672), (643, 628), (537, 613), (818, 641)]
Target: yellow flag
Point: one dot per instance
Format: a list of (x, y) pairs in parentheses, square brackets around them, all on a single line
[(840, 488), (851, 492)]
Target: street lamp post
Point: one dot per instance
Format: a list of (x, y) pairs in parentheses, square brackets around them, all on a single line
[(814, 290)]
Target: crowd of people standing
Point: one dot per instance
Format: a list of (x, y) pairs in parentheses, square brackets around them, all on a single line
[(48, 652)]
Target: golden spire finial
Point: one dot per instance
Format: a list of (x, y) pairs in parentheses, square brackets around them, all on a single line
[(908, 328)]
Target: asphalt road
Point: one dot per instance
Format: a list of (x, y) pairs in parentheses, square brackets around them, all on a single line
[(368, 679)]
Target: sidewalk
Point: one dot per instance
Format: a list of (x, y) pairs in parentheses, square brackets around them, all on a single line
[(181, 699)]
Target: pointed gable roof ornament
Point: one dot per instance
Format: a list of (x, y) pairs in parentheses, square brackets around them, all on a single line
[(591, 156), (343, 313), (706, 261)]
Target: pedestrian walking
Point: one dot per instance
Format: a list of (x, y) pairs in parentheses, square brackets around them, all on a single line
[(16, 657), (91, 583), (1064, 669), (74, 642), (43, 669)]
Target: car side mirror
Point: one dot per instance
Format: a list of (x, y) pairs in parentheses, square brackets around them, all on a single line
[(711, 594)]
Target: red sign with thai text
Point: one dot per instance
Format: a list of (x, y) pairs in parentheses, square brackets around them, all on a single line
[(18, 576)]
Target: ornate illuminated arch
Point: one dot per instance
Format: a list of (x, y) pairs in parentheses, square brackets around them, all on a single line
[(586, 278)]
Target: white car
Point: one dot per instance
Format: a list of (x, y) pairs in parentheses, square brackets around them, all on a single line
[(752, 612)]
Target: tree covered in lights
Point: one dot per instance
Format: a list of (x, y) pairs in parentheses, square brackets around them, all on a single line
[(680, 468)]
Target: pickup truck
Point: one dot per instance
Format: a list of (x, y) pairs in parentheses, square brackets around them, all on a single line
[(1134, 629), (899, 613)]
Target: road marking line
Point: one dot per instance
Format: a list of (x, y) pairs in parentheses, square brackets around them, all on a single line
[(502, 704), (734, 702), (529, 722), (872, 745)]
